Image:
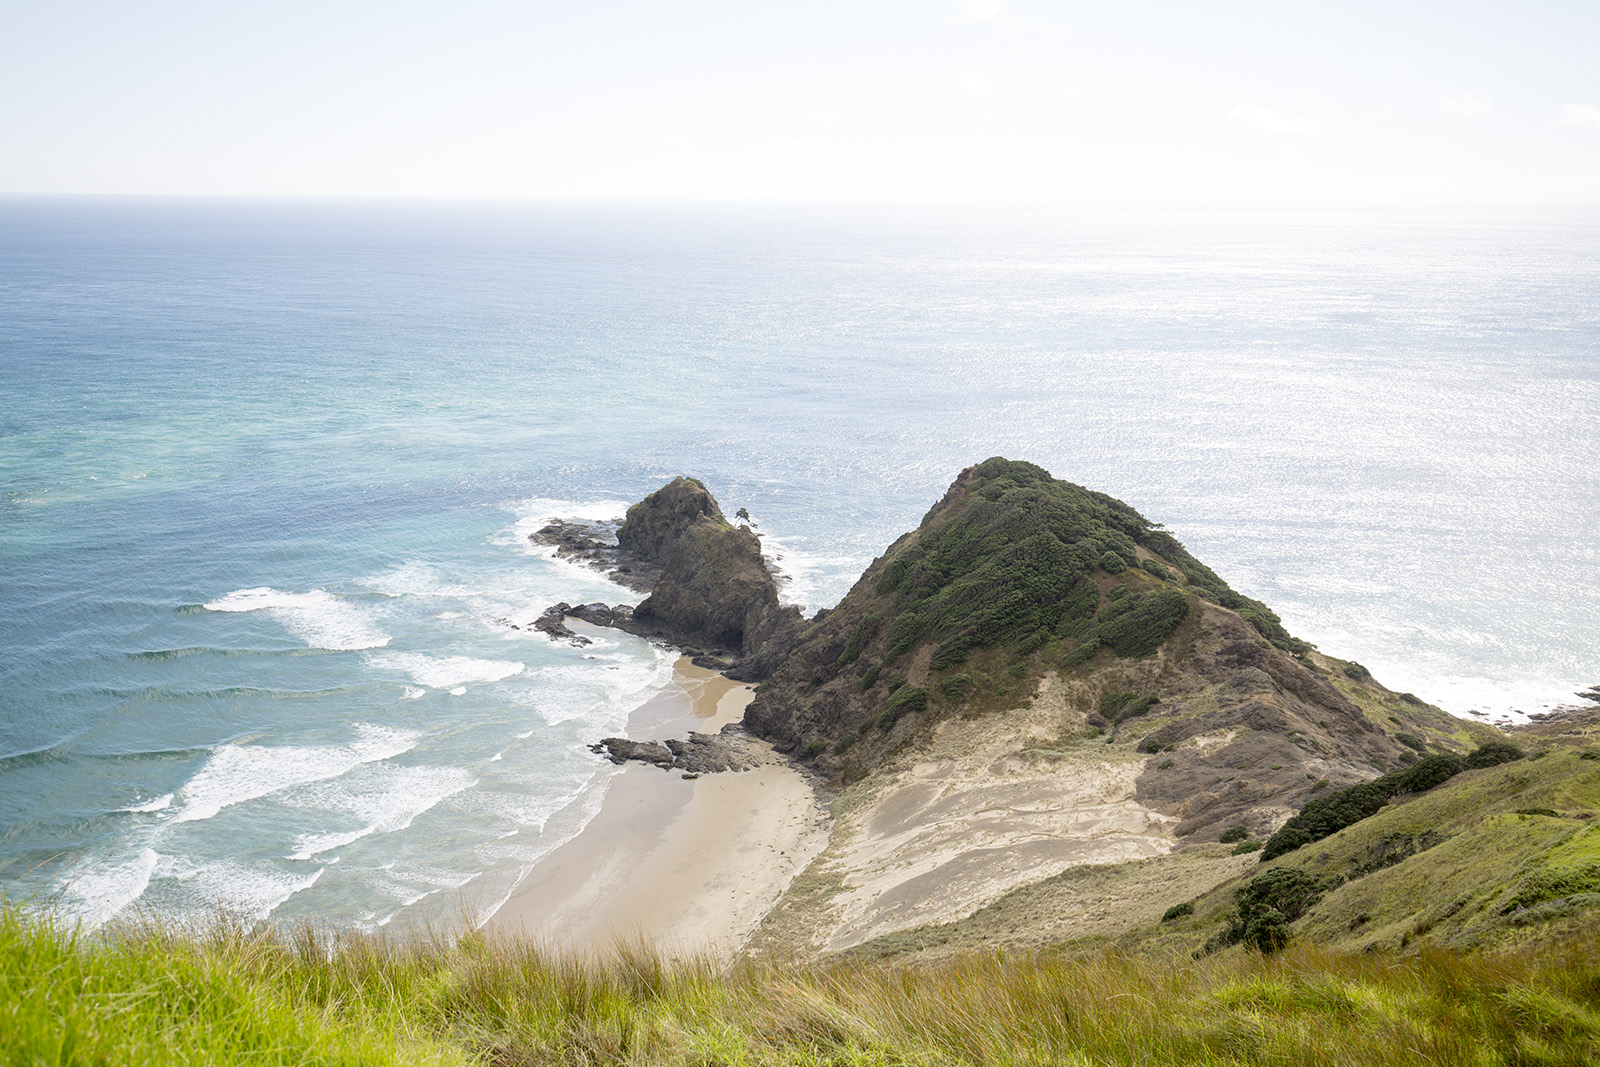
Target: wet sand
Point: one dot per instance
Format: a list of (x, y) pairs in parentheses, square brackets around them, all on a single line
[(688, 866)]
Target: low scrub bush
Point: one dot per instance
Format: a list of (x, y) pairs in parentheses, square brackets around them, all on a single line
[(1493, 753), (864, 631), (1177, 911), (1246, 846), (870, 679), (1234, 833), (1345, 807), (1151, 567), (1118, 706), (906, 699), (1264, 909), (956, 686)]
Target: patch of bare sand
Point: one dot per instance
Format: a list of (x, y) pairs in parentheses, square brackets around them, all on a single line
[(689, 867), (990, 804), (1087, 902)]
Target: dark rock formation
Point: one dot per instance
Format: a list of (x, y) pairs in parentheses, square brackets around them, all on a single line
[(697, 754), (709, 590), (714, 591), (554, 623), (595, 543)]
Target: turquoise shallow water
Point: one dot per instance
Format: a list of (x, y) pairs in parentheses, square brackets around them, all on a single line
[(268, 468)]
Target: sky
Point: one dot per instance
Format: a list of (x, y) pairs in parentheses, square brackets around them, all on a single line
[(1286, 103)]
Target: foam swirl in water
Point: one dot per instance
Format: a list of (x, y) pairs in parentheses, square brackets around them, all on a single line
[(318, 618), (236, 773)]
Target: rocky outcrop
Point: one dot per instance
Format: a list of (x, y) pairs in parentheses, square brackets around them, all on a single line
[(709, 590), (714, 591), (731, 750)]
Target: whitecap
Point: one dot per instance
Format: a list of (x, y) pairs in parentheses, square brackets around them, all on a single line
[(806, 580), (160, 803), (100, 891), (445, 672), (239, 772), (383, 798), (252, 891), (318, 618), (414, 578), (413, 693)]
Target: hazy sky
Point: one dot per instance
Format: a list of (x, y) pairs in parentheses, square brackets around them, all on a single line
[(1275, 102)]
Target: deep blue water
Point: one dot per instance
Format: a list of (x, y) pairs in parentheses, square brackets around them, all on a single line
[(266, 471)]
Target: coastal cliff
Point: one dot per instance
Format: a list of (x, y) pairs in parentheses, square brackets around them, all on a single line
[(714, 590), (708, 589), (1041, 717)]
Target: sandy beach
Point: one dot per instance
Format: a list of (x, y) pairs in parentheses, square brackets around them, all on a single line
[(688, 866)]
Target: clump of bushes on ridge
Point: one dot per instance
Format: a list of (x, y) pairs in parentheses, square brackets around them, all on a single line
[(1327, 815), (1264, 909)]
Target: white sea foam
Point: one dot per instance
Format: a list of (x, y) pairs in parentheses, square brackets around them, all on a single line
[(445, 672), (415, 578), (236, 773), (538, 511), (160, 803), (413, 693), (807, 580), (384, 799), (251, 891), (318, 618), (95, 894)]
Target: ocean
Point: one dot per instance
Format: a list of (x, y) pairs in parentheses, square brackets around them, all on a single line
[(267, 471)]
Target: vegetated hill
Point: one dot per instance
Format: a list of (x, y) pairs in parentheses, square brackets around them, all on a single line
[(1015, 576), (1497, 858), (1037, 682), (1493, 857)]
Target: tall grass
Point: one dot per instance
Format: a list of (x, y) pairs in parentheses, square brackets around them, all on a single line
[(227, 997)]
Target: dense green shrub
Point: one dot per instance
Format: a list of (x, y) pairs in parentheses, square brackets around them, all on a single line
[(1177, 911), (1118, 706), (906, 698), (815, 748), (1246, 846), (1264, 909), (1357, 671), (956, 685), (1234, 833), (1136, 625), (1345, 807), (870, 679), (1412, 741), (1012, 565), (1151, 567), (841, 746), (1426, 773), (1082, 653), (1492, 754)]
